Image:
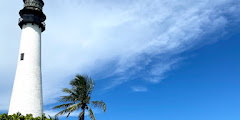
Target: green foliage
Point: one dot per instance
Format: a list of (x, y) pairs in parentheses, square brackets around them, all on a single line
[(18, 116), (78, 97)]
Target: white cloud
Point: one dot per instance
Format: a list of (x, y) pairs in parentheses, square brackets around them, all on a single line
[(139, 89), (119, 39)]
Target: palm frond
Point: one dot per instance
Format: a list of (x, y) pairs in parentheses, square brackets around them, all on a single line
[(72, 97), (81, 115), (63, 106), (68, 114), (66, 90), (68, 99), (82, 87), (53, 118), (91, 114), (74, 107), (71, 108), (78, 80), (100, 104), (62, 112)]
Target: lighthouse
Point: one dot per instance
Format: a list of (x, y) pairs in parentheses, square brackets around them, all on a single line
[(27, 89)]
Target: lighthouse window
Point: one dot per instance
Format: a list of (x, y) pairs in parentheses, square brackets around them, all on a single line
[(22, 56)]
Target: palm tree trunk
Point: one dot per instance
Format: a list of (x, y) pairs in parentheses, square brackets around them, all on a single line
[(83, 114)]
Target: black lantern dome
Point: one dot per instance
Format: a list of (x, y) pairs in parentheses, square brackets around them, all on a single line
[(32, 13)]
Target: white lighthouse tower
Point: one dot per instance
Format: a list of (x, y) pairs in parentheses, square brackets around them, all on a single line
[(27, 89)]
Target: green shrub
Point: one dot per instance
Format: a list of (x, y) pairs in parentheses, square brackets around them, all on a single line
[(18, 116)]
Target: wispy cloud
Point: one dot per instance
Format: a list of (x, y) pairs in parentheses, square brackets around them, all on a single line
[(139, 89), (127, 40)]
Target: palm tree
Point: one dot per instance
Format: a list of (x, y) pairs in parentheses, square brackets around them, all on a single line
[(79, 98)]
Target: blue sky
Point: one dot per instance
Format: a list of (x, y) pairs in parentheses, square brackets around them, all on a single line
[(151, 59)]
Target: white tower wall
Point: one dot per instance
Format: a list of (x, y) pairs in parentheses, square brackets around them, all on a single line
[(27, 90)]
